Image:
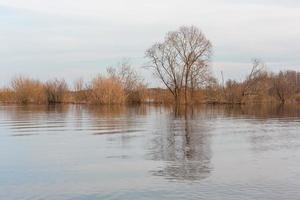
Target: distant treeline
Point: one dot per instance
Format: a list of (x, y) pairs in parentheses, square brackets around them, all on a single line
[(259, 87), (123, 85), (181, 62)]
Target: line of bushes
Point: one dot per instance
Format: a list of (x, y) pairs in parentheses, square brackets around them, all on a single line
[(260, 86), (25, 90), (123, 85), (120, 85)]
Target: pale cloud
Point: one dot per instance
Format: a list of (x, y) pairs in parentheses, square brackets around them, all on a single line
[(82, 37)]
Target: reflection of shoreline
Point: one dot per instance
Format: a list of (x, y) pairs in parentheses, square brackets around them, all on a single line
[(99, 120), (184, 146), (183, 143), (253, 110), (263, 111)]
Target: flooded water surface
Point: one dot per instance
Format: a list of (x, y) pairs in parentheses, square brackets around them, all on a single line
[(148, 152)]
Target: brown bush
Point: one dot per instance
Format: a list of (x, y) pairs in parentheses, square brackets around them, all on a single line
[(296, 98), (56, 91), (27, 90), (106, 91), (159, 96), (233, 92), (131, 82), (138, 95), (6, 95), (81, 91)]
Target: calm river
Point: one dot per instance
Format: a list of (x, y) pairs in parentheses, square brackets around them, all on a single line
[(146, 152)]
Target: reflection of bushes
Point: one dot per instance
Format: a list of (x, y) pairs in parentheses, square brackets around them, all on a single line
[(99, 111), (296, 98), (107, 111), (262, 111)]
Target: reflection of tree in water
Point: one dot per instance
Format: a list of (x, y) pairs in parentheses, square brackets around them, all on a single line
[(183, 142)]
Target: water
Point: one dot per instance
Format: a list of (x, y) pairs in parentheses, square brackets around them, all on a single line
[(146, 152)]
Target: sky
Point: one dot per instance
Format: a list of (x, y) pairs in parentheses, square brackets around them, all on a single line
[(80, 38)]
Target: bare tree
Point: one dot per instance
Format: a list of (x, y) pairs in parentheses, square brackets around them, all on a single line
[(200, 77), (194, 50), (253, 81), (284, 85), (177, 59), (127, 75), (167, 67)]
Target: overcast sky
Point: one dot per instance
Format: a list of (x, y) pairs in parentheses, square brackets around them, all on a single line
[(79, 38)]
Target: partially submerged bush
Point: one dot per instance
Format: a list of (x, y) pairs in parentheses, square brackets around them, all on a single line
[(6, 95), (131, 82), (159, 96), (138, 95), (27, 90), (56, 91), (233, 92), (81, 91), (106, 91)]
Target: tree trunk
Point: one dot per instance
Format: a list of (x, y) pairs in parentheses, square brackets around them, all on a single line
[(186, 89)]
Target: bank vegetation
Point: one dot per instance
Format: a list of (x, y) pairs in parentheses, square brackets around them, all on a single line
[(181, 61)]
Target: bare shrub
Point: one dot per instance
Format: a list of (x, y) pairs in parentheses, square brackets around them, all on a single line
[(159, 96), (285, 85), (233, 92), (138, 95), (213, 94), (6, 95), (255, 81), (296, 98), (27, 90), (81, 91), (56, 91), (132, 83), (106, 91)]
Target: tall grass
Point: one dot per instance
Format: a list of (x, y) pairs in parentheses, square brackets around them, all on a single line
[(131, 82), (26, 90), (56, 91), (106, 91), (6, 95), (138, 95)]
